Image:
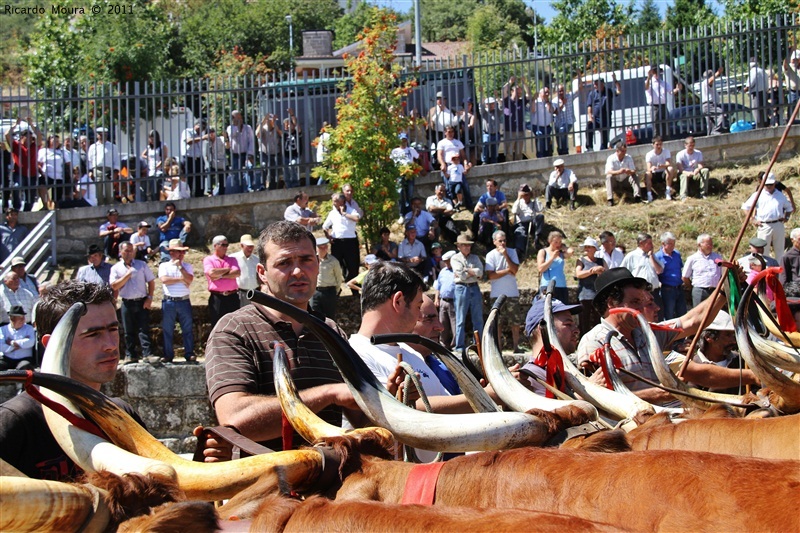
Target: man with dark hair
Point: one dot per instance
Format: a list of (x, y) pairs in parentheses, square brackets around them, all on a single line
[(391, 302), (239, 350), (171, 226), (617, 288), (11, 233), (300, 213), (25, 440), (113, 233), (340, 229), (492, 191)]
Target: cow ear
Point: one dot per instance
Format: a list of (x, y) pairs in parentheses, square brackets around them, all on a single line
[(45, 339)]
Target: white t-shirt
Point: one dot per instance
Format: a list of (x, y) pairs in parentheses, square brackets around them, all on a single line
[(449, 148), (688, 161), (170, 269), (455, 172), (136, 238), (382, 360), (53, 161), (656, 160), (507, 284)]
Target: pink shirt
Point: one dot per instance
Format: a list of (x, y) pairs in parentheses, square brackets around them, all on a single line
[(225, 284)]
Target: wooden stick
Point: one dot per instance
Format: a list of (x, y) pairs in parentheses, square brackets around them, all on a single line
[(739, 238)]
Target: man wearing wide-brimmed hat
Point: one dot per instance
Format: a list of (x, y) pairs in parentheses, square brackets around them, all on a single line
[(467, 270), (17, 341), (176, 275), (97, 271), (618, 288)]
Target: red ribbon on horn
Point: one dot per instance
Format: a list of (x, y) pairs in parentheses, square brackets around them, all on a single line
[(785, 315), (555, 370), (597, 358)]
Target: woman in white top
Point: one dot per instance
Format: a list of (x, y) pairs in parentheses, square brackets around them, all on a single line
[(156, 154)]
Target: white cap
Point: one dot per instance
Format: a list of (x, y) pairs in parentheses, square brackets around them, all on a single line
[(770, 179), (590, 242), (722, 322), (489, 100), (448, 255), (558, 162), (370, 259)]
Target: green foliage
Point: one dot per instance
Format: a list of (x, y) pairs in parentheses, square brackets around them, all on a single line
[(347, 27), (578, 20), (746, 9), (689, 13), (445, 20), (647, 18), (370, 117), (487, 29)]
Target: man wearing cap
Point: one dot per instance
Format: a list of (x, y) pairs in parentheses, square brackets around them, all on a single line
[(17, 341), (440, 206), (702, 270), (516, 100), (340, 229), (141, 241), (412, 252), (618, 288), (240, 140), (770, 213), (718, 368), (134, 282), (405, 156), (27, 281), (248, 266), (329, 282), (113, 233), (104, 165), (791, 260), (176, 275), (491, 121), (619, 167), (467, 270), (599, 110), (439, 117), (444, 300), (542, 123), (673, 297), (643, 263), (563, 184), (528, 219), (221, 271), (659, 165), (691, 168), (568, 335), (240, 349), (171, 227), (300, 213), (12, 233), (756, 248), (25, 155), (97, 271), (192, 154), (502, 265), (587, 268)]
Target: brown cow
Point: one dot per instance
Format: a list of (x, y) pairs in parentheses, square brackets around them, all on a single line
[(765, 438), (284, 515), (652, 491)]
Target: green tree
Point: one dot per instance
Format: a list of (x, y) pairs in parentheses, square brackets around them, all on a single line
[(445, 20), (689, 13), (487, 29), (647, 18), (745, 9), (578, 20), (369, 118)]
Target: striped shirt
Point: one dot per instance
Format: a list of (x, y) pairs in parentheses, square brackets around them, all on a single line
[(239, 359)]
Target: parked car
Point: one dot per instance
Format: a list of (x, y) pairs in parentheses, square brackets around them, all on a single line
[(687, 121)]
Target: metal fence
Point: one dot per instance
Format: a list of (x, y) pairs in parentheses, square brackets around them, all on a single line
[(110, 152)]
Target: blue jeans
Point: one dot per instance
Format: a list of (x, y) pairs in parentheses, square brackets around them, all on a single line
[(674, 301), (490, 142), (182, 310), (237, 182), (544, 142), (562, 138), (291, 173), (468, 298)]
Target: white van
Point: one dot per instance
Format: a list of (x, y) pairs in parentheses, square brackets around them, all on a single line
[(631, 109), (170, 127)]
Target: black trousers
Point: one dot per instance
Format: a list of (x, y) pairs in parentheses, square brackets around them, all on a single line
[(193, 169), (219, 305), (346, 251), (324, 301)]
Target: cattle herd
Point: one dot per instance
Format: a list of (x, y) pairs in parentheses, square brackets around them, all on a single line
[(607, 461)]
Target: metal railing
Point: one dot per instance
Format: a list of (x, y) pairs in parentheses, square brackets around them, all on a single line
[(134, 170), (38, 248)]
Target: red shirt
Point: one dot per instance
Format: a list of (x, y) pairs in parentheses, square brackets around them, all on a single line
[(24, 158)]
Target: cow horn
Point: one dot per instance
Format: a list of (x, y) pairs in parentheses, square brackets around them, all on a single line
[(668, 379), (478, 398), (787, 390), (42, 505), (88, 451), (305, 421), (618, 405), (513, 393), (429, 431), (784, 356)]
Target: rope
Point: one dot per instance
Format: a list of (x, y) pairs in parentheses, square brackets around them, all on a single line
[(409, 455)]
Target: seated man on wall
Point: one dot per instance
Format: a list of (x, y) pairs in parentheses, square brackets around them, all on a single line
[(619, 167), (691, 168)]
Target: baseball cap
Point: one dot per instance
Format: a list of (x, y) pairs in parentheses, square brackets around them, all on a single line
[(491, 201), (371, 259), (590, 242), (448, 255), (322, 241), (524, 188), (247, 240), (144, 224), (112, 211), (536, 312), (558, 162), (18, 261), (770, 179), (722, 322), (757, 242), (403, 136)]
